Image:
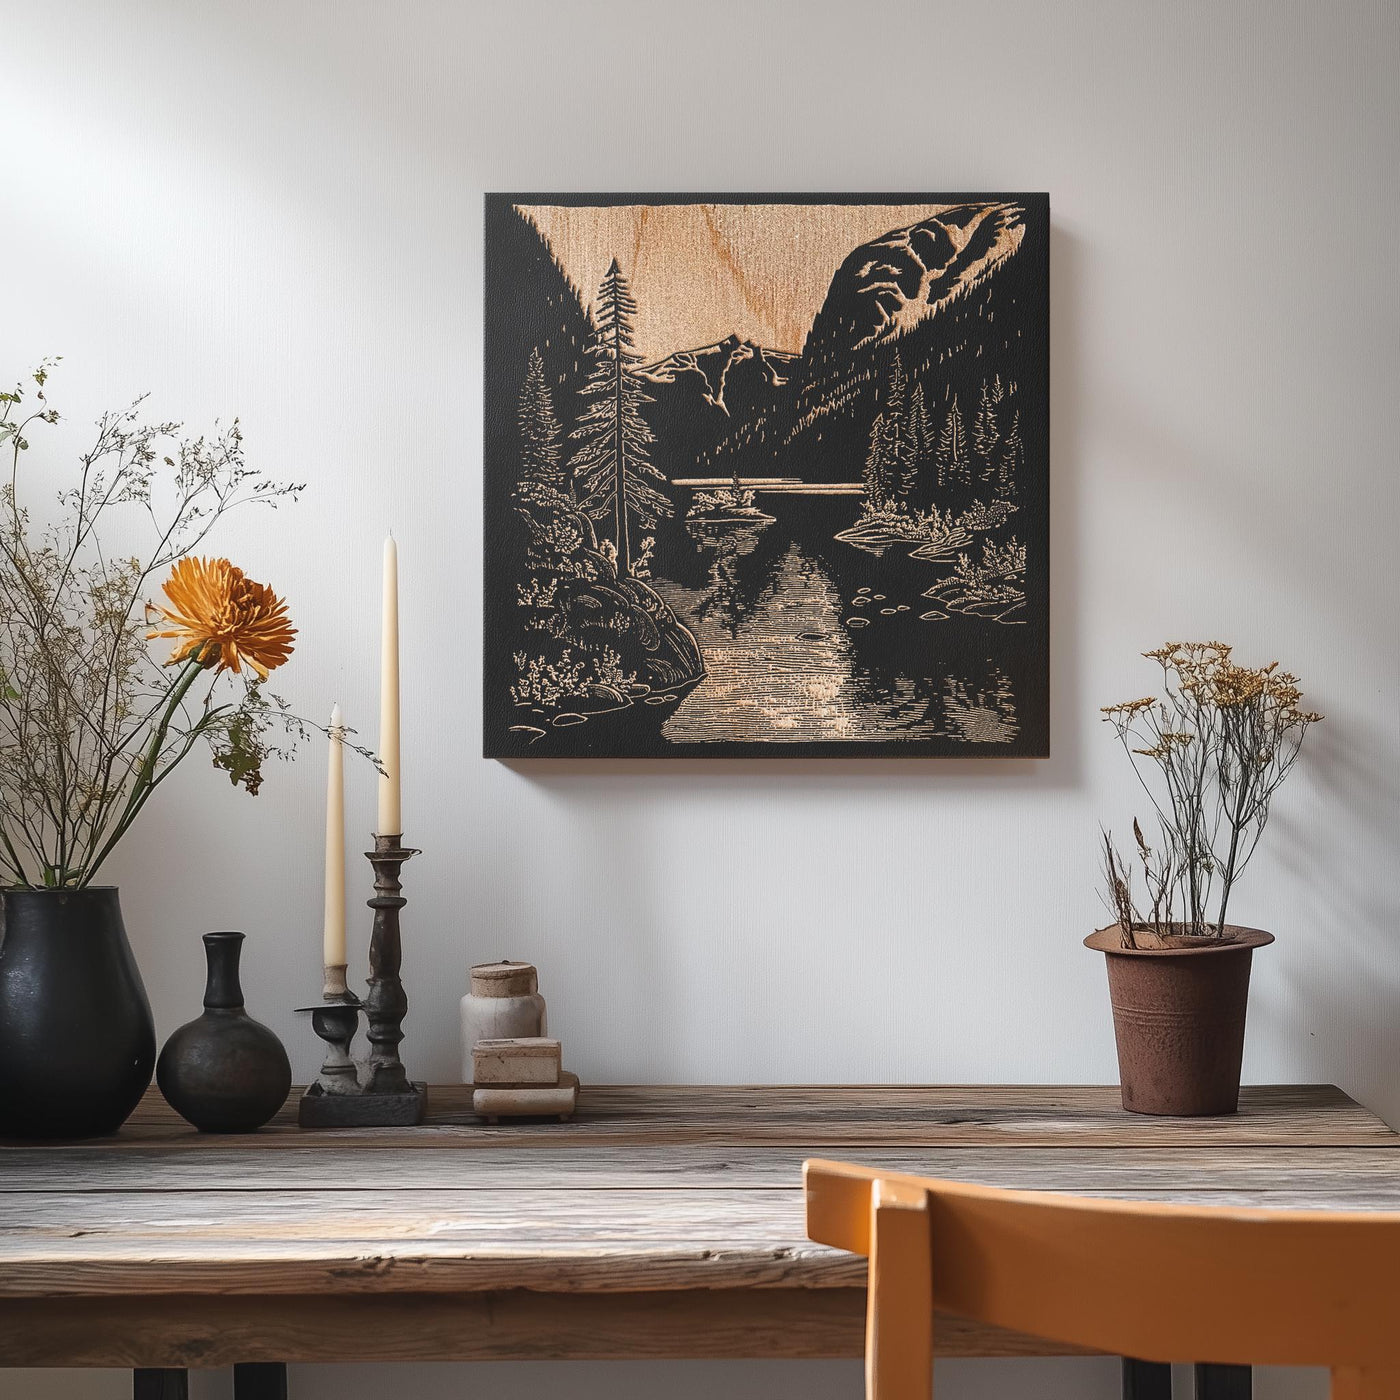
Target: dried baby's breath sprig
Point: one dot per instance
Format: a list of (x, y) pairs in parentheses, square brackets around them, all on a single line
[(1127, 709), (1218, 743)]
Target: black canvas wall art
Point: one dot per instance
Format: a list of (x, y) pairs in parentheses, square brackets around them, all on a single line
[(766, 475)]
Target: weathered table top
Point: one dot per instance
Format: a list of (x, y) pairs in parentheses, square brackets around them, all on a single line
[(659, 1222)]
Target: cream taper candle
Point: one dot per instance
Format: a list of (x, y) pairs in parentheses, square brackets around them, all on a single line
[(390, 811)]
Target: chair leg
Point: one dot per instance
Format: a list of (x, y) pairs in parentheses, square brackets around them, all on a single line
[(1146, 1380), (899, 1299), (1224, 1383), (260, 1380), (160, 1383)]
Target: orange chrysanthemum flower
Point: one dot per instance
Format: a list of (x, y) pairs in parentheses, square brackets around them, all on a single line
[(222, 618)]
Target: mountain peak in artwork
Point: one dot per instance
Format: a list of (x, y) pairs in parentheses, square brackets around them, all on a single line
[(885, 287), (714, 364)]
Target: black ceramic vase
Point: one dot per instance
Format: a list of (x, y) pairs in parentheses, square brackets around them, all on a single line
[(76, 1038), (225, 1072)]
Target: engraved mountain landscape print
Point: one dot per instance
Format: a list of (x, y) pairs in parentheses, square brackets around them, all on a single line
[(766, 476)]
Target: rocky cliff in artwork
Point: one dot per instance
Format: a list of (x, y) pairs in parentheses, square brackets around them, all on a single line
[(888, 286)]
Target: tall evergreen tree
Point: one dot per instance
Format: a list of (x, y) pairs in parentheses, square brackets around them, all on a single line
[(541, 438), (612, 463), (920, 427), (877, 470), (952, 447), (899, 431), (1009, 464), (985, 434)]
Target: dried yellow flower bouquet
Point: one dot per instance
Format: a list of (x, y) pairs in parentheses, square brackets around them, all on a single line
[(1221, 739), (91, 723)]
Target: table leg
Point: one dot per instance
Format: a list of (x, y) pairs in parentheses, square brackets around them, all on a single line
[(1224, 1383), (1146, 1380), (260, 1380), (160, 1383)]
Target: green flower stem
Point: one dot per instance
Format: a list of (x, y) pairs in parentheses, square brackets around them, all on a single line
[(16, 864), (147, 777)]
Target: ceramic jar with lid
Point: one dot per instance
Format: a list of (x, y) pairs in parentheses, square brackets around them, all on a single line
[(504, 1002)]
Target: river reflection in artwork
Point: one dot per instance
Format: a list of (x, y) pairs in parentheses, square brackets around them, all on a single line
[(798, 651)]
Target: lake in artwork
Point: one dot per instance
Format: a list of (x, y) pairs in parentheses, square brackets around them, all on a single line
[(766, 479)]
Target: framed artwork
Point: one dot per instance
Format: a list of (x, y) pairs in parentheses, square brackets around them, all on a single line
[(766, 475)]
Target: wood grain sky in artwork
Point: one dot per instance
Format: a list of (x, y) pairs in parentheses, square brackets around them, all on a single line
[(700, 272)]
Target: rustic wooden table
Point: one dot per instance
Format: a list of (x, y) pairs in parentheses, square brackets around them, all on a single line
[(661, 1222)]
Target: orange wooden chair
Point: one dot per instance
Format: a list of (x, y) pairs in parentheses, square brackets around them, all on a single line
[(1158, 1282)]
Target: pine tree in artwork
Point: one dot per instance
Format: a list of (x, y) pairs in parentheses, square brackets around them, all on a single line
[(1009, 463), (877, 473), (952, 447), (611, 464), (892, 462), (921, 432), (541, 438), (985, 433), (899, 437)]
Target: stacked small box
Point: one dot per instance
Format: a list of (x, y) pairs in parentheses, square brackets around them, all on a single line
[(521, 1077)]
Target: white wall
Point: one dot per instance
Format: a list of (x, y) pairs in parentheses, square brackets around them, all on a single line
[(273, 209)]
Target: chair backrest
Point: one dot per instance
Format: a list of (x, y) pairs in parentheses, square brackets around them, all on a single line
[(1156, 1282)]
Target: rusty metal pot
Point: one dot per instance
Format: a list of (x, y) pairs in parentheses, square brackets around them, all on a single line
[(1178, 1018)]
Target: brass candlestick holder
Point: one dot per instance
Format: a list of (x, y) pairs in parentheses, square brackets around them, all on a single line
[(374, 1092)]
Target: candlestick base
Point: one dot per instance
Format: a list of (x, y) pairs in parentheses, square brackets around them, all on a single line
[(374, 1092), (319, 1109)]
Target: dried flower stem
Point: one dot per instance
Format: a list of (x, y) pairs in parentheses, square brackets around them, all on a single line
[(1220, 740)]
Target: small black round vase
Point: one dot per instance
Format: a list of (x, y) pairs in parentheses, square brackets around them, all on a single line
[(225, 1072)]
